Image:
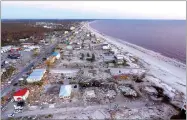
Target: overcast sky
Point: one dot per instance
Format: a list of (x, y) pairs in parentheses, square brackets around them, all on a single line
[(93, 9)]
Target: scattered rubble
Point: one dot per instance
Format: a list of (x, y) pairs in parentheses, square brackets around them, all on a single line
[(89, 94), (151, 90), (111, 94), (127, 91), (100, 82)]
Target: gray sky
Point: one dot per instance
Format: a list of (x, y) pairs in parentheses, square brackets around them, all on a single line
[(94, 9)]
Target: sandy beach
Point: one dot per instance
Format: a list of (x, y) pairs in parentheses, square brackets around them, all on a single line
[(165, 72)]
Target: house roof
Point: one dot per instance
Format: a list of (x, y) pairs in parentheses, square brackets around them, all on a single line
[(37, 74), (55, 53), (65, 90), (21, 92)]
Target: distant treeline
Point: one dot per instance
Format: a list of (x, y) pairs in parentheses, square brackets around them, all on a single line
[(44, 20), (13, 30)]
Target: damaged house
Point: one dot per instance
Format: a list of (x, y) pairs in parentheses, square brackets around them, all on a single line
[(125, 73)]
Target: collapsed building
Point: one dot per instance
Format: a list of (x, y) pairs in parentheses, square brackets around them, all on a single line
[(125, 73), (69, 73)]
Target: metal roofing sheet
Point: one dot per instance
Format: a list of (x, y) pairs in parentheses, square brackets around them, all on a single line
[(36, 74), (65, 90)]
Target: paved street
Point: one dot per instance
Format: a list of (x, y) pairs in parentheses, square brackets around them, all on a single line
[(32, 63), (68, 110)]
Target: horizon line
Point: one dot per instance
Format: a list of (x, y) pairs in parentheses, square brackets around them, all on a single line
[(82, 19)]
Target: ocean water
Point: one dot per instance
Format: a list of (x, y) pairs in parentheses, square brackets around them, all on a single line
[(167, 37)]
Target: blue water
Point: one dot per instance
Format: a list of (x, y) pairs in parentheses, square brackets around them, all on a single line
[(167, 37)]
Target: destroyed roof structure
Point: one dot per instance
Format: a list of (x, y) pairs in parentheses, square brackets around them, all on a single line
[(126, 71), (109, 58), (89, 94), (67, 72)]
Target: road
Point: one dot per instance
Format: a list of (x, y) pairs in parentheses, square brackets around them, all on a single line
[(15, 78), (66, 110), (34, 62), (8, 89)]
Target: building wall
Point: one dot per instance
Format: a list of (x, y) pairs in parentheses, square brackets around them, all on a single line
[(15, 97), (26, 95)]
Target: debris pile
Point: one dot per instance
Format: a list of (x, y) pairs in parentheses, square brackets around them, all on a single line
[(127, 91), (111, 94)]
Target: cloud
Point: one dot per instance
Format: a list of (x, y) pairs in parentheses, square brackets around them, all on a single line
[(120, 9)]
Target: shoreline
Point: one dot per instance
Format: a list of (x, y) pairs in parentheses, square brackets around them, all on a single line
[(163, 71), (182, 63)]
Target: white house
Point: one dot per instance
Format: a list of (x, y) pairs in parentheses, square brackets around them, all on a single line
[(106, 47), (89, 94)]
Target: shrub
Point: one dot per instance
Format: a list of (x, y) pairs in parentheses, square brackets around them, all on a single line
[(8, 73), (49, 116), (40, 83)]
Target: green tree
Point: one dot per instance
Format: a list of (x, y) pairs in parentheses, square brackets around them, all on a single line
[(8, 73), (2, 100), (35, 52), (49, 116)]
